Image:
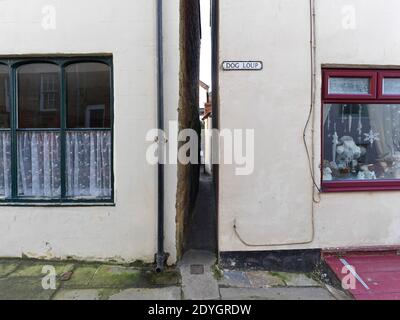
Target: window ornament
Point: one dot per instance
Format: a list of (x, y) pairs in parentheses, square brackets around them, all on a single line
[(371, 137)]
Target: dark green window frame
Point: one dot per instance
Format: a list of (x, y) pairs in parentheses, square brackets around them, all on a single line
[(62, 62)]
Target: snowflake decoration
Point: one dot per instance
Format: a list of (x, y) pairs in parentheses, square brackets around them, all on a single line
[(371, 137)]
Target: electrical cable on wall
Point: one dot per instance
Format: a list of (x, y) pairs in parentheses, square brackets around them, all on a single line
[(310, 157), (311, 115)]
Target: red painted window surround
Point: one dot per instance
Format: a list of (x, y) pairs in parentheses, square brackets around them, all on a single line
[(375, 96), (385, 75), (372, 75)]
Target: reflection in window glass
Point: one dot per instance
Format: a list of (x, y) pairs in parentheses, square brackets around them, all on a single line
[(391, 86), (361, 142), (38, 96), (88, 95), (4, 98), (349, 86)]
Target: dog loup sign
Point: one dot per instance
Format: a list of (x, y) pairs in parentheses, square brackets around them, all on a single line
[(242, 65)]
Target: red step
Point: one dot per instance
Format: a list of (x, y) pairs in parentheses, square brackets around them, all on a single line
[(376, 274)]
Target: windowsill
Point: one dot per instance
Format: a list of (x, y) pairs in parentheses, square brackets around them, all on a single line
[(360, 186), (65, 204)]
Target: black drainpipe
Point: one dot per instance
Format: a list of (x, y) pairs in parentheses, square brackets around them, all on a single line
[(160, 256)]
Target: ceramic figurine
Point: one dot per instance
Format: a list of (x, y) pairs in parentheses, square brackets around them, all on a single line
[(327, 174), (369, 175), (347, 153), (361, 176)]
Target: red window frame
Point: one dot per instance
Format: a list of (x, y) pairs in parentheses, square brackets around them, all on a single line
[(328, 74), (381, 77), (376, 96)]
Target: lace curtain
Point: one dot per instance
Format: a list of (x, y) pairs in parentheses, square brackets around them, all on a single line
[(5, 164), (385, 120), (39, 164), (88, 164)]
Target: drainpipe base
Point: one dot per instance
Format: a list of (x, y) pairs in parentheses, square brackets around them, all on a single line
[(161, 261)]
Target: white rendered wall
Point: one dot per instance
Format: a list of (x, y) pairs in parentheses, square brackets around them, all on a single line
[(126, 29), (274, 205)]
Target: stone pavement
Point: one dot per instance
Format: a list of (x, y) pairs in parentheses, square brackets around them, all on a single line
[(22, 280)]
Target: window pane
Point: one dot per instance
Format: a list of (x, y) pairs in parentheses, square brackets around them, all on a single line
[(39, 96), (39, 164), (5, 164), (89, 164), (361, 142), (4, 97), (349, 86), (88, 95), (391, 86)]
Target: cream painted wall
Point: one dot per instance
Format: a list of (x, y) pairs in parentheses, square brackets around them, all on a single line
[(274, 205), (126, 29)]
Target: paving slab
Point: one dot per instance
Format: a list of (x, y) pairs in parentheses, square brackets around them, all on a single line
[(167, 278), (235, 279), (115, 277), (199, 286), (81, 277), (170, 293), (103, 276), (22, 288), (78, 294), (7, 267), (275, 294), (264, 279), (35, 269), (297, 279)]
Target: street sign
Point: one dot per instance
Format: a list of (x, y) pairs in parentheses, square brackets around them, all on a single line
[(242, 65)]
